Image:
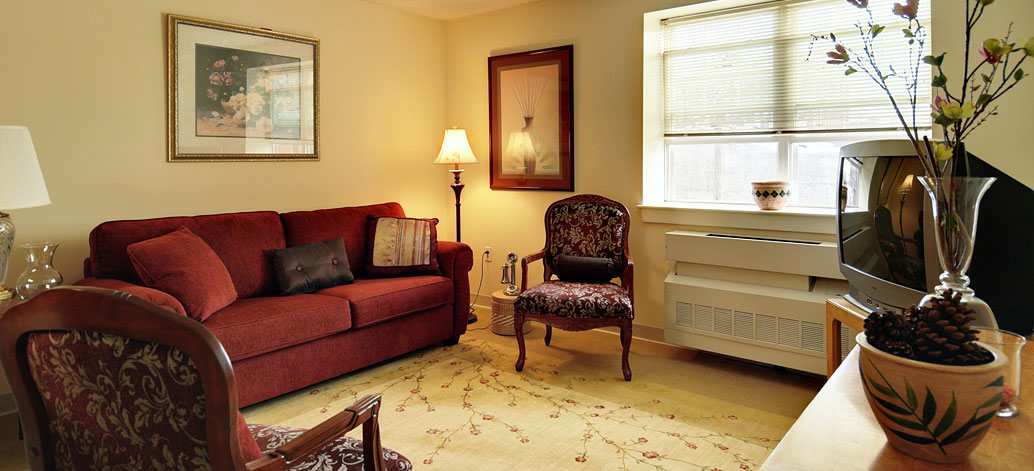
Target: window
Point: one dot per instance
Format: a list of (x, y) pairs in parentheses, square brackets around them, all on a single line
[(738, 99)]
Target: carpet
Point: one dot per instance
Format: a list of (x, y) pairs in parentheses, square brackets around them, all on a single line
[(464, 407)]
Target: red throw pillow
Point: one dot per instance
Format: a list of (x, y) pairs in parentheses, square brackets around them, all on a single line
[(401, 247), (182, 264)]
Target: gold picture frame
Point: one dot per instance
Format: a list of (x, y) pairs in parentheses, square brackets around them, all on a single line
[(238, 93)]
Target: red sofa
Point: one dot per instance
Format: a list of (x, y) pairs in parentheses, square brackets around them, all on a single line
[(278, 344)]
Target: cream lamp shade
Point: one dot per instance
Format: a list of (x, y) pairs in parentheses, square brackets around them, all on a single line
[(455, 148), (519, 147), (21, 181)]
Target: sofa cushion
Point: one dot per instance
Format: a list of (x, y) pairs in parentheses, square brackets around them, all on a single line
[(183, 265), (401, 247), (249, 447), (306, 227), (254, 326), (372, 301), (241, 240), (577, 300), (311, 267)]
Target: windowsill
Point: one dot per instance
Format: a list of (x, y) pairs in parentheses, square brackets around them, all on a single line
[(809, 220)]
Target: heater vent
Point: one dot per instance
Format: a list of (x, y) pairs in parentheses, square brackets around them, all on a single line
[(765, 328), (723, 321), (846, 340), (683, 314), (812, 336), (743, 324), (789, 332), (702, 317)]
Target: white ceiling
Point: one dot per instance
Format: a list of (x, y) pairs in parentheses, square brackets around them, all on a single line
[(449, 9)]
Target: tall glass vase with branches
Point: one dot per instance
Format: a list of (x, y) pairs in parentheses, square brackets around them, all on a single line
[(955, 195)]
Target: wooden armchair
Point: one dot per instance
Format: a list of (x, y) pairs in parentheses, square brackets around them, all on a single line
[(105, 380), (581, 227)]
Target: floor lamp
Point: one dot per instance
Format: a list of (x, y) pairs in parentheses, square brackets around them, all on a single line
[(455, 151)]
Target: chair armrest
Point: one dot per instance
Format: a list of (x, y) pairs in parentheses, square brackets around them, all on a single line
[(364, 412), (159, 298), (524, 267), (627, 278)]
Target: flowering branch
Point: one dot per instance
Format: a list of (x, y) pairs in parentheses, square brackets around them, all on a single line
[(957, 114)]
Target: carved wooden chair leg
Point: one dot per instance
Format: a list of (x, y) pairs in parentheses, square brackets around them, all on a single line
[(549, 334), (518, 322), (626, 344)]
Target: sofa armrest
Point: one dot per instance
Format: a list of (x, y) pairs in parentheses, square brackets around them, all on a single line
[(455, 260), (159, 298)]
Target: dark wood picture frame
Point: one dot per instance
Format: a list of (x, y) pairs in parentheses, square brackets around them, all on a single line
[(531, 120)]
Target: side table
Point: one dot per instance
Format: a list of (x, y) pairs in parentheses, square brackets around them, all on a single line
[(840, 311), (502, 314)]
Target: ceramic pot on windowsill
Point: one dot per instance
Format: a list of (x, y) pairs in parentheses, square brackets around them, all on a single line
[(772, 195)]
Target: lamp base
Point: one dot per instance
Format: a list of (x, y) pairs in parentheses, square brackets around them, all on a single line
[(6, 293), (473, 317)]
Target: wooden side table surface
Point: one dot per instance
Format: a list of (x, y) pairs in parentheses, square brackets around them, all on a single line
[(837, 431)]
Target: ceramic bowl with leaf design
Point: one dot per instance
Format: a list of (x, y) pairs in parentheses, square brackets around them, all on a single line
[(936, 413)]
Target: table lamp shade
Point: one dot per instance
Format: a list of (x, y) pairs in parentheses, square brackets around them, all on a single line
[(21, 181), (455, 148)]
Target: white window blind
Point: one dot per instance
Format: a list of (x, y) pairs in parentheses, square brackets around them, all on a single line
[(747, 71)]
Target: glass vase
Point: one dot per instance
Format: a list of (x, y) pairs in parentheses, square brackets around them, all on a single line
[(956, 204), (40, 274)]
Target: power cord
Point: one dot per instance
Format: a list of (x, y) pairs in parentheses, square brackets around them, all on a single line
[(473, 317)]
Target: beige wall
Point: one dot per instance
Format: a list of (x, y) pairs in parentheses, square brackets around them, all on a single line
[(607, 38), (88, 79)]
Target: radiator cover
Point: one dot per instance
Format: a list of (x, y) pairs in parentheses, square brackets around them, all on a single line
[(741, 309)]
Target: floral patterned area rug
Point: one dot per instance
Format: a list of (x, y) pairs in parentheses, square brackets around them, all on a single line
[(464, 407)]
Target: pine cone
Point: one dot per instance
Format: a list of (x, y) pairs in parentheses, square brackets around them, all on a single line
[(891, 332), (943, 335)]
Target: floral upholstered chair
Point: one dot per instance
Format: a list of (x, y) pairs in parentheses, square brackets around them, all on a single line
[(104, 380), (586, 248)]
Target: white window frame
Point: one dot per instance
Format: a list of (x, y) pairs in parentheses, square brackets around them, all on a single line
[(788, 167), (655, 205)]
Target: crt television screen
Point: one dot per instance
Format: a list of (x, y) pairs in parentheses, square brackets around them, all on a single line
[(881, 223)]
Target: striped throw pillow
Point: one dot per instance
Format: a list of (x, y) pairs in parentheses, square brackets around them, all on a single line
[(401, 246)]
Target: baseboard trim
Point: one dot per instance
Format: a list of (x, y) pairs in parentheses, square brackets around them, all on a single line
[(7, 403)]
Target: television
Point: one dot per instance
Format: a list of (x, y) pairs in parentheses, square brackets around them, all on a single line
[(886, 242)]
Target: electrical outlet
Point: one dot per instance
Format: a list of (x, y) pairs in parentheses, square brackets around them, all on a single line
[(488, 254)]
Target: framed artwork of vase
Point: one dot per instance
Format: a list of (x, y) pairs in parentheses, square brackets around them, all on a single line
[(531, 117), (237, 93)]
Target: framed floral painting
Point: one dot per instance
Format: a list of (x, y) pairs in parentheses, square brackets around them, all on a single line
[(531, 117), (238, 93)]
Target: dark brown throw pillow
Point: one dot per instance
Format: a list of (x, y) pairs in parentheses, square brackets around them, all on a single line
[(401, 247), (312, 267), (586, 269)]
